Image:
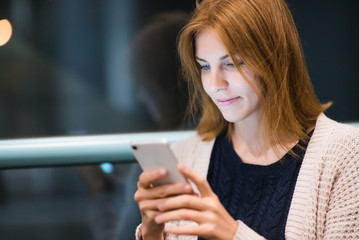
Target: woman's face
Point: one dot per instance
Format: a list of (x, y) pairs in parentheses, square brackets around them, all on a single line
[(222, 81)]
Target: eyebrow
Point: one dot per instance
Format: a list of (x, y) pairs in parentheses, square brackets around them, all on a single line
[(221, 58)]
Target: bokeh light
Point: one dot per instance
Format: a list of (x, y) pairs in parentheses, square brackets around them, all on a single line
[(5, 31)]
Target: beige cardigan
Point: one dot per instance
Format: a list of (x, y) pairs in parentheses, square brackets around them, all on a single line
[(325, 203)]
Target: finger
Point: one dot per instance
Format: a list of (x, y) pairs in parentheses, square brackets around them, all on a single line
[(148, 177), (194, 230), (163, 191), (202, 184), (181, 214), (148, 205), (183, 201)]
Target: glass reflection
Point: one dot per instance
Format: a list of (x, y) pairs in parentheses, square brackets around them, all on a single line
[(68, 203), (73, 67)]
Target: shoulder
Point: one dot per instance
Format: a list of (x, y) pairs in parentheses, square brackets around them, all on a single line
[(338, 143), (191, 148), (345, 137), (187, 143), (331, 132)]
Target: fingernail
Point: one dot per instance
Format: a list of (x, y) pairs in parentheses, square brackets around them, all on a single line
[(161, 206), (161, 172), (158, 219), (187, 187)]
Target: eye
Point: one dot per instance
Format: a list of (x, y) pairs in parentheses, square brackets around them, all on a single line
[(205, 67), (229, 65), (241, 63)]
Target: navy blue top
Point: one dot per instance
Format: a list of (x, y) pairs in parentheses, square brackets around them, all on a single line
[(259, 196)]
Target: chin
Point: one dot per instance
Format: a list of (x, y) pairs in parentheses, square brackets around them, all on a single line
[(237, 115), (232, 119)]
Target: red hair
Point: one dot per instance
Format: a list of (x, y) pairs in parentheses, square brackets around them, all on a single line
[(264, 35)]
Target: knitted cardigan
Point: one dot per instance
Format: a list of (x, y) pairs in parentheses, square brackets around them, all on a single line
[(325, 202)]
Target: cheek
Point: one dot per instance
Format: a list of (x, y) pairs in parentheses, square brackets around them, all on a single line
[(252, 96), (205, 86), (245, 89), (250, 87), (251, 92)]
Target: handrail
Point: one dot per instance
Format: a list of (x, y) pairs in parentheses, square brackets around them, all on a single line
[(76, 150), (355, 124)]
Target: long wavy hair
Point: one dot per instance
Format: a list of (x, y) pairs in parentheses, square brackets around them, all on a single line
[(264, 35)]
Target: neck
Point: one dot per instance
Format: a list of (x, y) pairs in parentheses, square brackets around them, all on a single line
[(248, 136), (252, 147)]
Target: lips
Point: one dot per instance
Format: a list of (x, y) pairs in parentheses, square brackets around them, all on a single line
[(226, 101)]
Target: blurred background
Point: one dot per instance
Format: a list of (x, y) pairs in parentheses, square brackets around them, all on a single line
[(78, 67)]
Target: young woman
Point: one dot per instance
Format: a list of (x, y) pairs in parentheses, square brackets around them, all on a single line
[(266, 163)]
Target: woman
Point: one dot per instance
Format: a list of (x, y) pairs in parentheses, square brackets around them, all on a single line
[(266, 163)]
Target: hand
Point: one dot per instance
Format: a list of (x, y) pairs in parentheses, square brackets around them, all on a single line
[(214, 222), (148, 197)]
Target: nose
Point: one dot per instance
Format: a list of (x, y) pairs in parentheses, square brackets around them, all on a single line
[(218, 80)]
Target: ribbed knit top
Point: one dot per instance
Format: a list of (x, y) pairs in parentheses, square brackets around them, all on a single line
[(258, 195)]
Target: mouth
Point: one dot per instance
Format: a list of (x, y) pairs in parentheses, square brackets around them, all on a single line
[(226, 101)]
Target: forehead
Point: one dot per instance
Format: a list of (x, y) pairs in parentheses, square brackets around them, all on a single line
[(208, 43)]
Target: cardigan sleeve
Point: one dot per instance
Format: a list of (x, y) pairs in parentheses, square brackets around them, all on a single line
[(243, 233), (342, 213), (246, 233)]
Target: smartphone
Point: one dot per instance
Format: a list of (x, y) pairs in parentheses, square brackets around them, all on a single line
[(156, 153)]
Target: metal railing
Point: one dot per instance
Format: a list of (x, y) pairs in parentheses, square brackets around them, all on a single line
[(77, 150)]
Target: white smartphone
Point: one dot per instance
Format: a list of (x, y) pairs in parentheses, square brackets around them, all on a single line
[(156, 153)]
